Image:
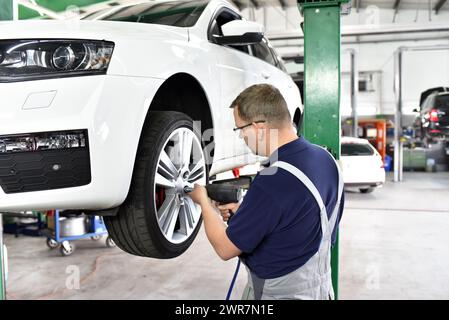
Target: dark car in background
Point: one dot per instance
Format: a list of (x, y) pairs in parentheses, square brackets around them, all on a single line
[(432, 123)]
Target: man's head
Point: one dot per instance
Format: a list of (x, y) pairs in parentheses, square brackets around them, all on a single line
[(261, 116)]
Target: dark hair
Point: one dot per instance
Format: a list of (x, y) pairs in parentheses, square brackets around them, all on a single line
[(262, 102)]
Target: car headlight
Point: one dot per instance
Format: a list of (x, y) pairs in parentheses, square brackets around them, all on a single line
[(22, 60)]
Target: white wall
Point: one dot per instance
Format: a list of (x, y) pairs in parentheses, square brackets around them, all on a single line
[(422, 70)]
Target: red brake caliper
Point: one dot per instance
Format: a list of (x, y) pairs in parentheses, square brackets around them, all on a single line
[(160, 197)]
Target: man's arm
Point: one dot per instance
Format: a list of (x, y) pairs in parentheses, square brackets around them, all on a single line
[(216, 233), (214, 226)]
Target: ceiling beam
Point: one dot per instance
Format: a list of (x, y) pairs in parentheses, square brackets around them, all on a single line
[(439, 5)]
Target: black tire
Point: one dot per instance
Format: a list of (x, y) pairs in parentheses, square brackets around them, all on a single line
[(51, 244), (366, 190), (95, 238), (69, 252), (135, 228), (110, 243)]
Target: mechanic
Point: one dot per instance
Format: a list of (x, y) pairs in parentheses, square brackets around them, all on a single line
[(285, 226)]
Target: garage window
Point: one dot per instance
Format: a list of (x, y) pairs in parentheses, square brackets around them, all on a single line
[(353, 149), (174, 13)]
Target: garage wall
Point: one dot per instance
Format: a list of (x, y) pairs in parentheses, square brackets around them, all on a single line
[(376, 59), (430, 68)]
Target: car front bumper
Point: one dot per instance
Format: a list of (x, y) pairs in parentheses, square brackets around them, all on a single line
[(364, 178), (364, 184), (111, 109)]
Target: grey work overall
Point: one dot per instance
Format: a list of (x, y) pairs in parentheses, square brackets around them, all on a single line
[(313, 280)]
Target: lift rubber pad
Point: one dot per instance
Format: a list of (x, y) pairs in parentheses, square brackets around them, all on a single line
[(44, 170)]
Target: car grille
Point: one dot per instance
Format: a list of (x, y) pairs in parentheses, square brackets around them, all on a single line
[(39, 170)]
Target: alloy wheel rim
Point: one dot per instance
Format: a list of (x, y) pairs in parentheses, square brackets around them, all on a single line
[(181, 163)]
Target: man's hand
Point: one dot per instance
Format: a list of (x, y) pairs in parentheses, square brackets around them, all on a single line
[(226, 209), (199, 195), (215, 228)]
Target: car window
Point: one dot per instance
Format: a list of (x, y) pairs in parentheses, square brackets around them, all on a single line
[(224, 17), (262, 51), (428, 103), (442, 102), (356, 149), (172, 13)]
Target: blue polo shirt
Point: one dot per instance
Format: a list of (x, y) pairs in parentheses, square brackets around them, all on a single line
[(277, 226)]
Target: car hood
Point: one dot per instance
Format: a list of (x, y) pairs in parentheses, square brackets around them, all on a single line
[(85, 29)]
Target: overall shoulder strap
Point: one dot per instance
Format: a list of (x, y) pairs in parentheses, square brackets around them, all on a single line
[(324, 221), (326, 224), (304, 179)]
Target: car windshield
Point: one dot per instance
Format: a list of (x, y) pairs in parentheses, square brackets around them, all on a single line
[(171, 13), (356, 149)]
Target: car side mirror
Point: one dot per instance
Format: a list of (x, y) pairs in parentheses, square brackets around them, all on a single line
[(240, 33)]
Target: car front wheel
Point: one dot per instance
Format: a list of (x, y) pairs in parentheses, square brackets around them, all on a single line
[(158, 219)]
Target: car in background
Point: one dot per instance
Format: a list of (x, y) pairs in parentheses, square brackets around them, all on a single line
[(432, 122), (361, 164)]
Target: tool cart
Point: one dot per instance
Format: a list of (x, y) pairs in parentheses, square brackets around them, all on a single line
[(65, 227)]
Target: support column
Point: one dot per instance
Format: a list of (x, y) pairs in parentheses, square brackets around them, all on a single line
[(322, 124), (398, 116), (354, 91)]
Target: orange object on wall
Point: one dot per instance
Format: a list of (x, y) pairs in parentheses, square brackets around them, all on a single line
[(375, 131)]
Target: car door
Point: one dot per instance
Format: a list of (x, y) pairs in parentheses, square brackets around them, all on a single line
[(235, 72)]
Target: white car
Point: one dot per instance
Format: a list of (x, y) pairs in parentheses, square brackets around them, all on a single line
[(96, 114), (362, 164)]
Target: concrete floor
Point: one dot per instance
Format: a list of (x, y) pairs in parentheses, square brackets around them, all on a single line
[(394, 245)]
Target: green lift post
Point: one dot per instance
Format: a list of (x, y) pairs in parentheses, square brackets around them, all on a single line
[(6, 10), (321, 119), (6, 13)]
